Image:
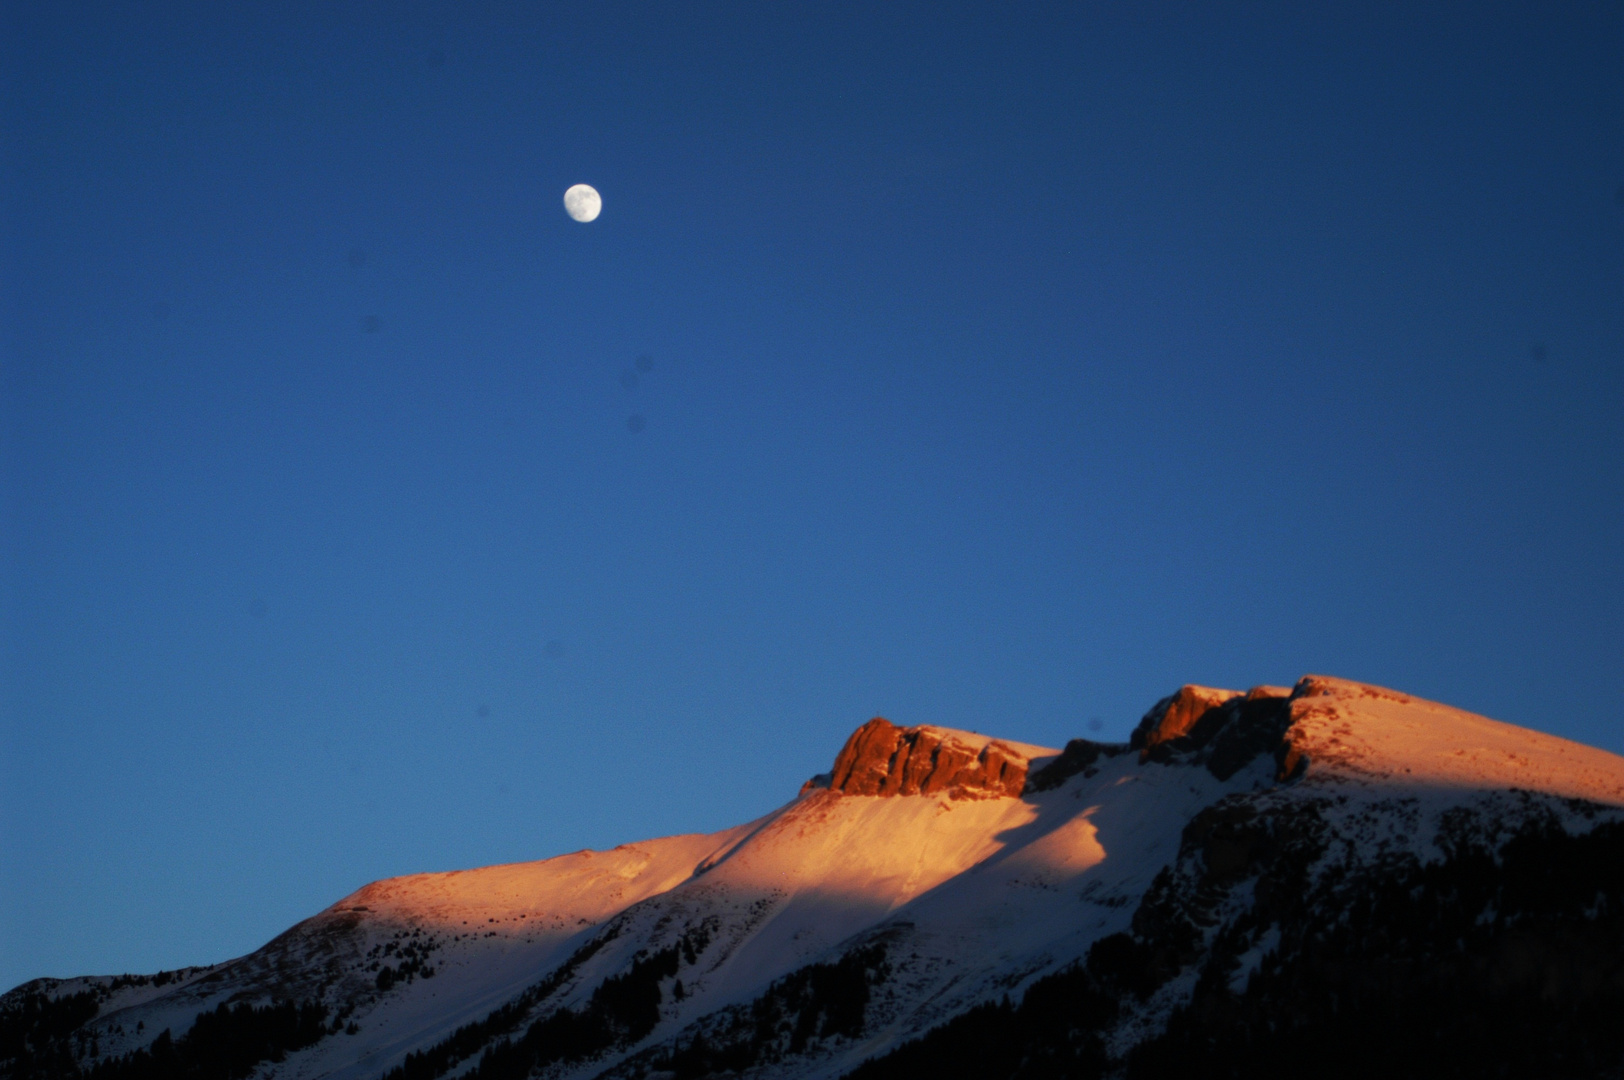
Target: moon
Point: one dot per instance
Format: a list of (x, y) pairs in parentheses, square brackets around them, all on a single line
[(583, 203)]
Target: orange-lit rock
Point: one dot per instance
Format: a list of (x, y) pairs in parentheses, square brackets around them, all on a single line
[(1174, 716), (883, 759)]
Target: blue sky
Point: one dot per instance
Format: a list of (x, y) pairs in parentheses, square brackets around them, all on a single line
[(995, 366)]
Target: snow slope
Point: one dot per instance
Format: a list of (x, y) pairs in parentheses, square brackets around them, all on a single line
[(1351, 731)]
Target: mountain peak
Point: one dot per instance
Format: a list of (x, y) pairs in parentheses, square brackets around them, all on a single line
[(881, 758)]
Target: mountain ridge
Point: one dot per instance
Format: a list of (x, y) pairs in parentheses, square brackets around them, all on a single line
[(930, 875)]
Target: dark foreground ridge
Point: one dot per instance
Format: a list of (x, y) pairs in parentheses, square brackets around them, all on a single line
[(226, 1043), (1488, 963)]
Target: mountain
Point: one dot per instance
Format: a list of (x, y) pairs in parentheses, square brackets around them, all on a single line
[(1330, 876)]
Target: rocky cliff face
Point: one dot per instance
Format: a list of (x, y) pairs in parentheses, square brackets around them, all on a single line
[(1173, 716), (1178, 715), (883, 759), (1224, 730)]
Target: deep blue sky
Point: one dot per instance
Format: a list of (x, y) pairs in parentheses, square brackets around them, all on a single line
[(1011, 365)]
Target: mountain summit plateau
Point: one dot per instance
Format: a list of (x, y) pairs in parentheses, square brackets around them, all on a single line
[(1331, 877)]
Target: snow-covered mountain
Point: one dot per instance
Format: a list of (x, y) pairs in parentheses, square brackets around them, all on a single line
[(1253, 877)]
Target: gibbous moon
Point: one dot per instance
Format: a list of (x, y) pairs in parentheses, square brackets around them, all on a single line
[(582, 202)]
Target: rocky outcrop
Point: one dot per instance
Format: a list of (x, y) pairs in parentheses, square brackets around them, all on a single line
[(1174, 716), (883, 759), (1221, 729), (1079, 756)]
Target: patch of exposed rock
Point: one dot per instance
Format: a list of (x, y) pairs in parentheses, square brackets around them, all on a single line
[(1221, 729), (1079, 756), (883, 759), (1173, 716)]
